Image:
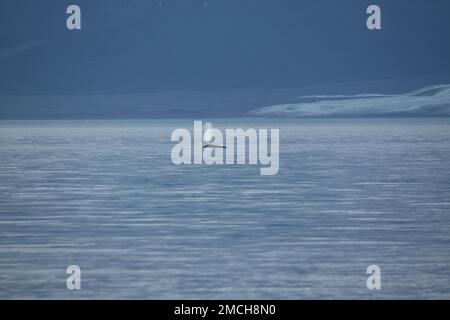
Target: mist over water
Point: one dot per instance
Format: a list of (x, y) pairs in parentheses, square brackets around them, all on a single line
[(105, 195)]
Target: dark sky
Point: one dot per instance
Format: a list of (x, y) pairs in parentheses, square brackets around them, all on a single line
[(138, 46)]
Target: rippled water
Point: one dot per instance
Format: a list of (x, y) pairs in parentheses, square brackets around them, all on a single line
[(105, 195)]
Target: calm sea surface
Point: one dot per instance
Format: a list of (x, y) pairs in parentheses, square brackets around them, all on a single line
[(104, 195)]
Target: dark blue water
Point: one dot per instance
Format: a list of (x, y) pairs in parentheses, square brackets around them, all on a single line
[(106, 196)]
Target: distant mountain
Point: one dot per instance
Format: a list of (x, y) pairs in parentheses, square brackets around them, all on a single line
[(339, 100), (431, 101), (146, 46)]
